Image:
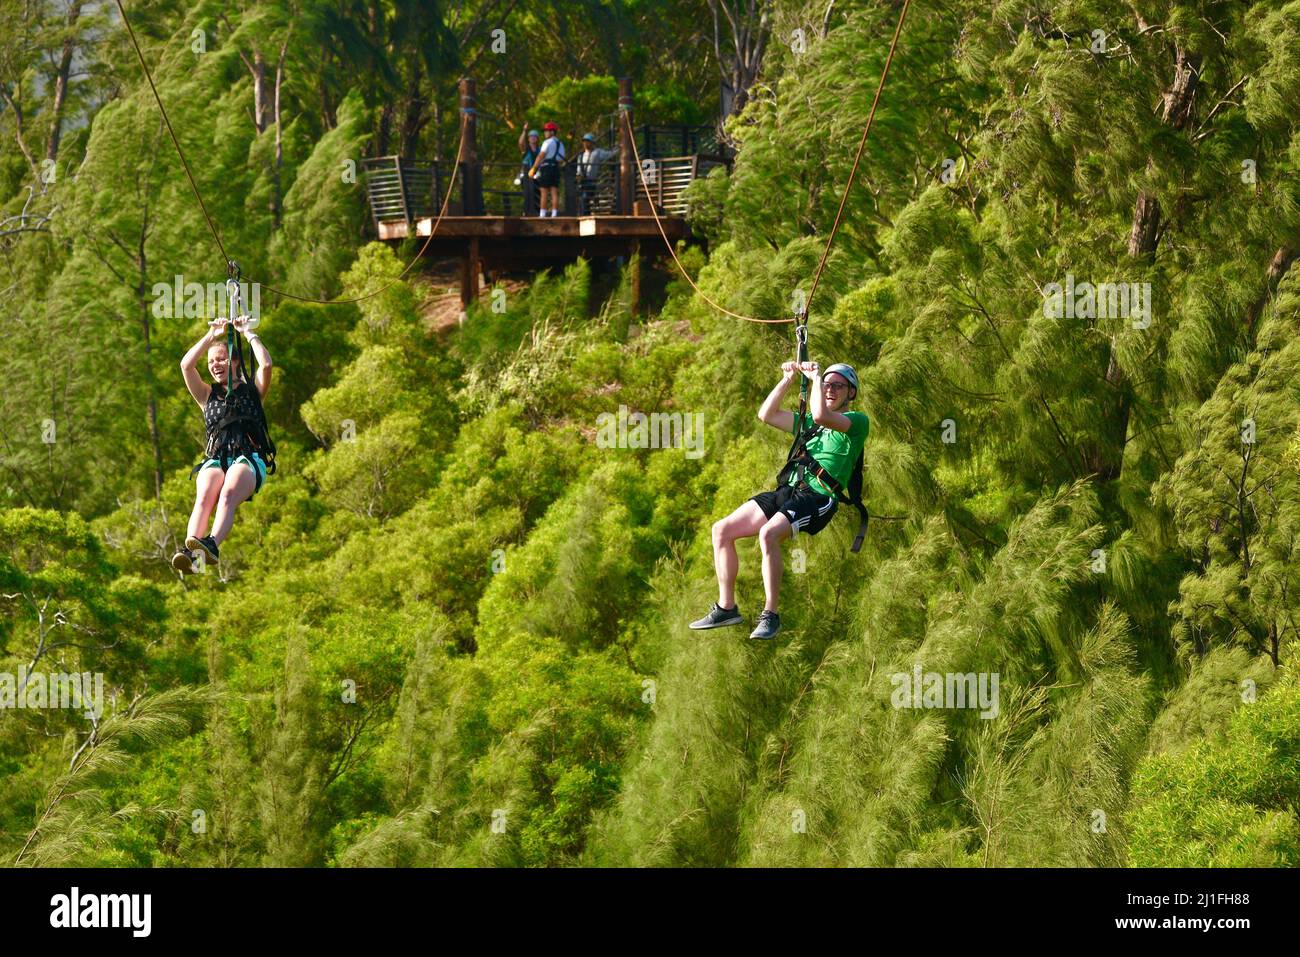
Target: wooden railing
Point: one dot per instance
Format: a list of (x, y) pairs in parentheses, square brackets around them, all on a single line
[(663, 180), (403, 191)]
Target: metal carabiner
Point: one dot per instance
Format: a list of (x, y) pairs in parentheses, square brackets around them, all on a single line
[(801, 345), (232, 298)]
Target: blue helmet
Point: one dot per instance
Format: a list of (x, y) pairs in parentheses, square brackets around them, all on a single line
[(847, 372)]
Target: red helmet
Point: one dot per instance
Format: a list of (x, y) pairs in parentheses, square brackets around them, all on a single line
[(550, 126)]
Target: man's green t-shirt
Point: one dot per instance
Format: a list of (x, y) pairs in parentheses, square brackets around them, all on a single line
[(836, 452)]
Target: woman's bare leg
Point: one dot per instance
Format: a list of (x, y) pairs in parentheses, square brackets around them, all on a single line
[(208, 487), (239, 485)]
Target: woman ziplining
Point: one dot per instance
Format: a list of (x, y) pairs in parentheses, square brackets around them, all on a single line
[(239, 453)]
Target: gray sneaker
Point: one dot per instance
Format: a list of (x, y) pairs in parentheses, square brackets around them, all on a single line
[(183, 561), (207, 543), (769, 623), (718, 617)]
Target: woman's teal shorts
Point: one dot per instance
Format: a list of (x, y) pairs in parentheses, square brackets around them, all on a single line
[(254, 462)]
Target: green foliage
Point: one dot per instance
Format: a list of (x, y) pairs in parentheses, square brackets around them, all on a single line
[(290, 792), (322, 214), (1225, 803), (384, 431), (1235, 502), (574, 104), (705, 211), (75, 822)]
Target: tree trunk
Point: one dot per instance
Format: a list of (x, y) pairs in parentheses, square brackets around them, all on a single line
[(413, 118), (437, 131), (259, 91), (329, 118), (142, 299), (749, 27), (1105, 456), (276, 198), (1277, 268), (385, 129), (1145, 232), (61, 86), (18, 131)]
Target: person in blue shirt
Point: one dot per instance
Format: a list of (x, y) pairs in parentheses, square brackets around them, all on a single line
[(588, 172), (803, 504)]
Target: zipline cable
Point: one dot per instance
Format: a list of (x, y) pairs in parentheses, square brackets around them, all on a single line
[(212, 226), (802, 319), (902, 15), (698, 291)]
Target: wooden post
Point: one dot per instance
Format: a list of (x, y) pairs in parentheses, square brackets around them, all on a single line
[(626, 168), (469, 275), (471, 184)]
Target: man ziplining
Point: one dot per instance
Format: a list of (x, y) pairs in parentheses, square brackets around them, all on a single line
[(825, 462), (808, 489)]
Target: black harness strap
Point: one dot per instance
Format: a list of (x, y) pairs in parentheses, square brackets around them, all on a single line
[(243, 424), (802, 463)]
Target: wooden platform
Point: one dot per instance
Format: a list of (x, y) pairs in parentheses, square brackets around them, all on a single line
[(537, 227), (516, 242), (404, 195)]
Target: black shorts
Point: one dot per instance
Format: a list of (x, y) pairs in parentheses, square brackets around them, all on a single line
[(548, 175), (808, 511)]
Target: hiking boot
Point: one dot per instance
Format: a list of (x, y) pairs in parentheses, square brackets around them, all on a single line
[(183, 561), (718, 617), (207, 543), (769, 623)]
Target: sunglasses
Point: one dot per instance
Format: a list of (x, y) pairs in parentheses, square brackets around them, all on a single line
[(835, 386)]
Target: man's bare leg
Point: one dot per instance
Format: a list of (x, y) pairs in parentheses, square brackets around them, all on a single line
[(770, 536), (742, 523)]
